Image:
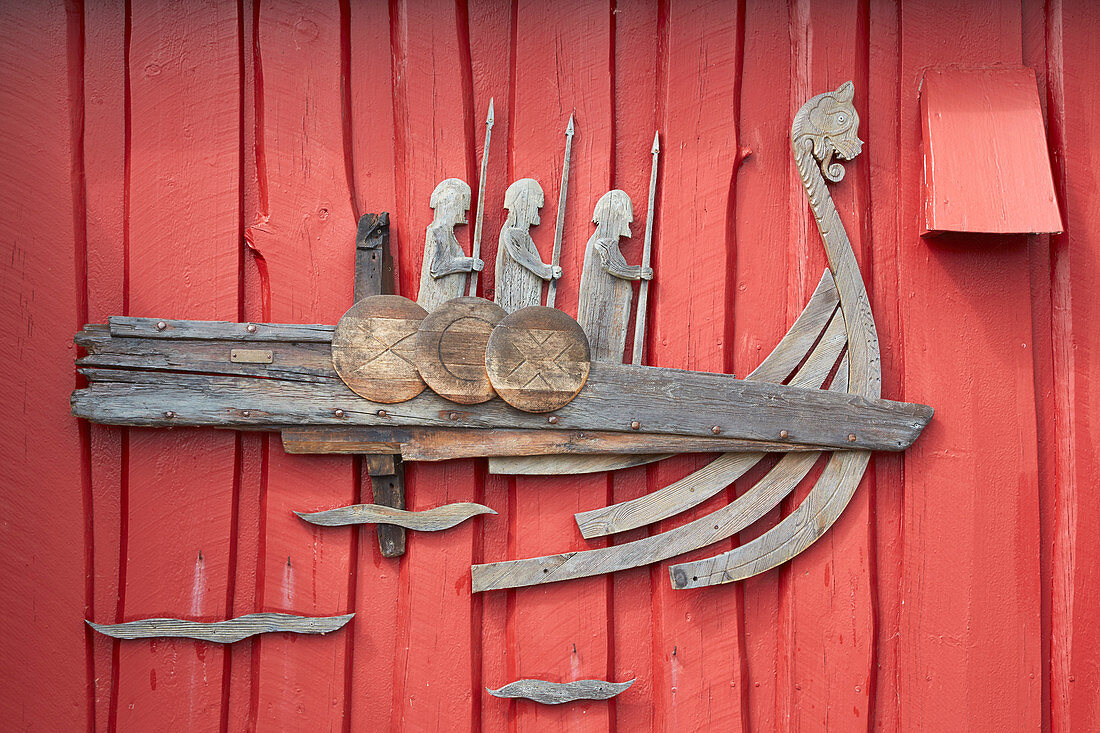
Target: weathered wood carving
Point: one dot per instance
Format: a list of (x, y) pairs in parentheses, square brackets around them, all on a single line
[(520, 270), (443, 275), (428, 520), (223, 632), (537, 359), (359, 387), (556, 693), (374, 348), (605, 290)]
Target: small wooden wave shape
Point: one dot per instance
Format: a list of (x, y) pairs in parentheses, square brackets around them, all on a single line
[(556, 693), (429, 520), (223, 632)]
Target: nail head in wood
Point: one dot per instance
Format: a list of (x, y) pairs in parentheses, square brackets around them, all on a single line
[(635, 425), (169, 414), (338, 412), (553, 419), (161, 325), (716, 429), (251, 328), (783, 433), (382, 413), (851, 437)]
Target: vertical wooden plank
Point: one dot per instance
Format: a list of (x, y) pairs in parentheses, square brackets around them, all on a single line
[(971, 552), (434, 666), (562, 59), (699, 636), (630, 611), (104, 169), (44, 532), (302, 239), (489, 25), (883, 96), (830, 615), (1072, 522), (183, 230), (762, 312), (369, 92)]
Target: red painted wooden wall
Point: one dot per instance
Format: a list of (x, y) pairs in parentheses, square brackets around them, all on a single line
[(209, 161)]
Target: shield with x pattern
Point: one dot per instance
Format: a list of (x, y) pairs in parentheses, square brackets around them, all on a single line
[(374, 348), (537, 359)]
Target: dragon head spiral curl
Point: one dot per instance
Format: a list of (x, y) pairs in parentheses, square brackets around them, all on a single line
[(828, 125)]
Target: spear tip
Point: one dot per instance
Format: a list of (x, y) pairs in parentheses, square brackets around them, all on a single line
[(656, 143), (489, 119), (569, 129)]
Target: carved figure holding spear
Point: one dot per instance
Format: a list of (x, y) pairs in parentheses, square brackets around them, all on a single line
[(443, 274), (605, 290), (520, 270)]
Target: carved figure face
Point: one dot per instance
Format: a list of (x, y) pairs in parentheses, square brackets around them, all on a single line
[(614, 208), (523, 199), (451, 199), (834, 124)]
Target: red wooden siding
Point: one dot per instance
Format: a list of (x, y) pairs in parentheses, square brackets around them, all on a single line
[(210, 161)]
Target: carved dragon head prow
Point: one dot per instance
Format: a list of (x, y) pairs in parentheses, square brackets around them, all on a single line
[(826, 125)]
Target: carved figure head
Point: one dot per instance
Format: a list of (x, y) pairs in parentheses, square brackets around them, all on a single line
[(614, 209), (523, 199), (451, 200), (828, 125)]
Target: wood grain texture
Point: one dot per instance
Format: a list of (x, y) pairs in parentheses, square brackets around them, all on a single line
[(706, 530), (374, 348), (537, 359), (450, 349), (556, 693), (223, 632), (614, 398), (561, 465), (426, 520)]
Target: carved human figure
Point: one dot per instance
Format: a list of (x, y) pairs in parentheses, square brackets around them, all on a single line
[(443, 274), (605, 290), (520, 270)]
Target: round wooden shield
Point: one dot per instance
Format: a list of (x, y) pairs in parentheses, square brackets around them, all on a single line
[(374, 348), (537, 359), (450, 349)]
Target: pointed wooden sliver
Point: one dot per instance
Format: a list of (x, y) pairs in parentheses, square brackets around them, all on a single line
[(714, 527), (776, 367), (699, 486), (556, 693), (429, 520), (223, 632)]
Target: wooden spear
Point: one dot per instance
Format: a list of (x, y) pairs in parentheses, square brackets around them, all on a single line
[(480, 220), (647, 250), (552, 288)]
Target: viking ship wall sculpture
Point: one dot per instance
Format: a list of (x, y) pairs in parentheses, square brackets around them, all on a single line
[(533, 390)]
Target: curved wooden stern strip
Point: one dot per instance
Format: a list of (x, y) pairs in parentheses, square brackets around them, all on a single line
[(429, 520), (555, 693)]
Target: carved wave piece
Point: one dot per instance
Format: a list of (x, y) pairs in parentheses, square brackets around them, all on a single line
[(556, 693), (223, 632), (429, 520)]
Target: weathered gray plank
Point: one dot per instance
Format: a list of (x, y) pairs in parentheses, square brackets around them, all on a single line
[(614, 399), (179, 329), (428, 520), (223, 632), (555, 693), (561, 464)]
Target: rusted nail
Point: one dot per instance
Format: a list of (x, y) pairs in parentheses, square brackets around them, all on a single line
[(169, 414), (453, 416), (251, 328), (553, 419), (716, 429), (783, 433), (338, 412), (161, 325), (382, 413), (851, 437), (246, 413), (635, 425)]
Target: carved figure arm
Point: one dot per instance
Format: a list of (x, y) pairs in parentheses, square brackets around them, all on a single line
[(513, 240), (614, 264), (444, 262)]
